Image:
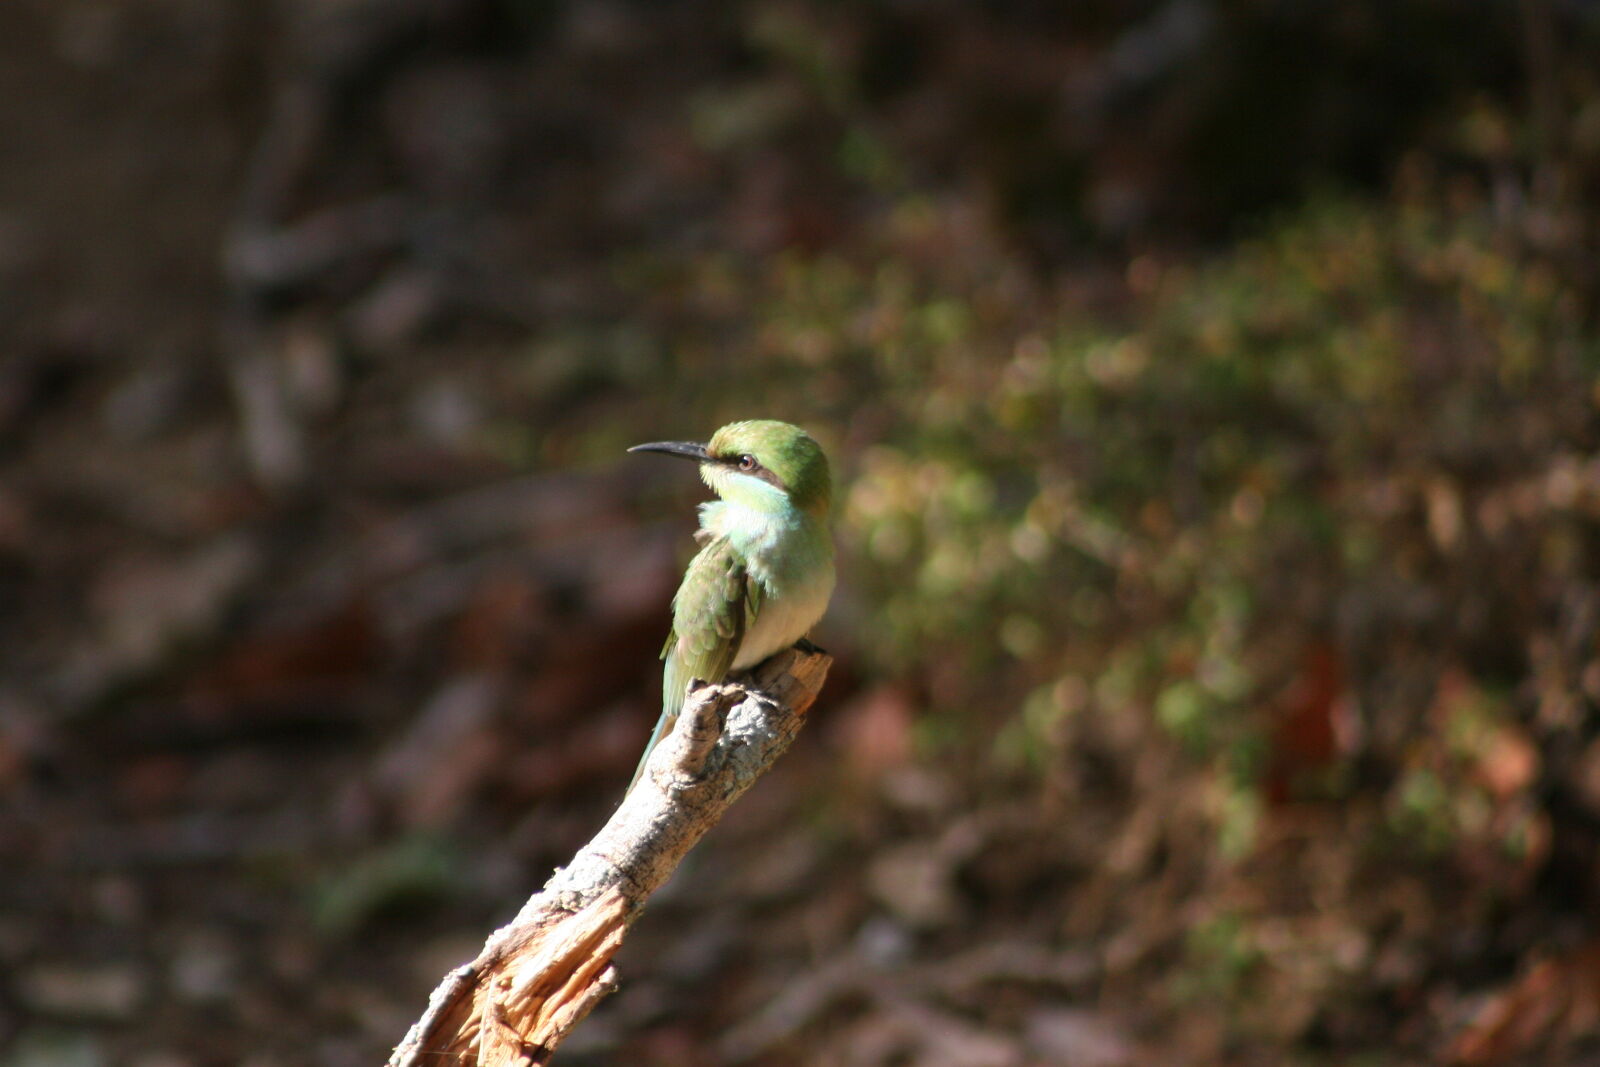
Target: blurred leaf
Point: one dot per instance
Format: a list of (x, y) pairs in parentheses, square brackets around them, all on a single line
[(410, 875)]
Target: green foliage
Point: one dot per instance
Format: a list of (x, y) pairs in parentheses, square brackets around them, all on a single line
[(406, 876), (1153, 507), (1168, 485), (1133, 498), (1221, 958)]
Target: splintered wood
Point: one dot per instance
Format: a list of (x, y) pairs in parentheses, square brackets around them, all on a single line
[(537, 977)]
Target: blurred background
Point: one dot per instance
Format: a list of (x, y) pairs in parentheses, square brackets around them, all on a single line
[(1214, 394)]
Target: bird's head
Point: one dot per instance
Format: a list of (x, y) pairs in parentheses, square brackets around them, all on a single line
[(761, 463)]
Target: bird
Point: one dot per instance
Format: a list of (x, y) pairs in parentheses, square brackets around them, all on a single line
[(764, 573)]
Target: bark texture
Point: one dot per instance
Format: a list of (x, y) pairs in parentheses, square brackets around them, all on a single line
[(538, 976)]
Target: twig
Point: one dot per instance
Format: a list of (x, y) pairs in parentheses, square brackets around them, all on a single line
[(537, 977)]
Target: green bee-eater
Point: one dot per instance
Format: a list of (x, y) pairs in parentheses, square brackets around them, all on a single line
[(765, 573)]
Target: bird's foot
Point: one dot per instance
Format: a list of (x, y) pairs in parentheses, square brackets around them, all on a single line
[(805, 645)]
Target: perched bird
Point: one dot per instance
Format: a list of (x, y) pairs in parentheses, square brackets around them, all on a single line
[(765, 572)]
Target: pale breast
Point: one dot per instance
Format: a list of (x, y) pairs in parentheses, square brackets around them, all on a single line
[(790, 554), (785, 616)]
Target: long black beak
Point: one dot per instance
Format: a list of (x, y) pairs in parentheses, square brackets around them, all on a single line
[(686, 449)]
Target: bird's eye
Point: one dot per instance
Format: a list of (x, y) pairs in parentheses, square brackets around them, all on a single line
[(747, 462)]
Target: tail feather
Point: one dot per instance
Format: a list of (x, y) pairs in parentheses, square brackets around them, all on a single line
[(674, 690), (663, 726)]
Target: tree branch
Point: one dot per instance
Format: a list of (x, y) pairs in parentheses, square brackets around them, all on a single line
[(537, 977)]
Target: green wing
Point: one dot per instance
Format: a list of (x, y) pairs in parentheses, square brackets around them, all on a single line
[(714, 608)]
